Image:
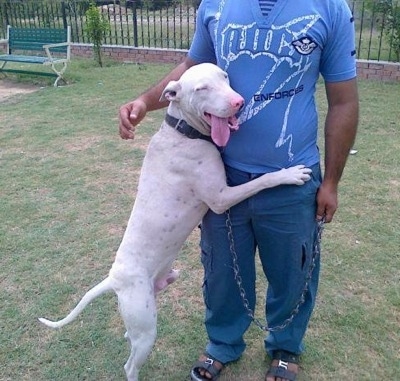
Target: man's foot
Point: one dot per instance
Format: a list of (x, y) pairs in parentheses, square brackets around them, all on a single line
[(207, 368), (284, 367)]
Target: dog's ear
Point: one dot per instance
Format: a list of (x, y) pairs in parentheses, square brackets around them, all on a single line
[(171, 92)]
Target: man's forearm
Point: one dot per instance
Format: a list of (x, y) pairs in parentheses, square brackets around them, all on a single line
[(151, 97), (340, 132)]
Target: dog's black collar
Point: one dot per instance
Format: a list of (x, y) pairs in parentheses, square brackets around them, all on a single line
[(181, 126)]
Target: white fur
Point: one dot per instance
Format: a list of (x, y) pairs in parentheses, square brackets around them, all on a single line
[(180, 179)]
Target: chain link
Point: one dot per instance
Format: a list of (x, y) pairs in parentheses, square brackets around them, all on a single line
[(238, 278)]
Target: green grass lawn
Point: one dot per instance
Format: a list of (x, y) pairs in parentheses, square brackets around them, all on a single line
[(67, 187)]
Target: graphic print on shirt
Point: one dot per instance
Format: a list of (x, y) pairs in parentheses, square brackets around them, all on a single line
[(294, 49)]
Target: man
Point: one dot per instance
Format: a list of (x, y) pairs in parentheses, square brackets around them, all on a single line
[(273, 52)]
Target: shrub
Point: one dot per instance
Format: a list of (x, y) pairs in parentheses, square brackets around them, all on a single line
[(95, 29), (389, 19)]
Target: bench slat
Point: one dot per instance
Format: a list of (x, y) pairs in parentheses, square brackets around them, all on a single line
[(19, 71), (35, 45), (44, 35), (22, 58), (34, 39)]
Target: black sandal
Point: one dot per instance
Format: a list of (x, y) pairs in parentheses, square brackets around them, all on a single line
[(208, 366), (281, 370)]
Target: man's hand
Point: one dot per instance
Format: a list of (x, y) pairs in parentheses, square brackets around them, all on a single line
[(130, 115), (327, 202)]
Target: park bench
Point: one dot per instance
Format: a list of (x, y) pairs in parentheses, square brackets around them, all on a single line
[(45, 46)]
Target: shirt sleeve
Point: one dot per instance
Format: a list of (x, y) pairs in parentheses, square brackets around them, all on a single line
[(202, 48), (338, 61)]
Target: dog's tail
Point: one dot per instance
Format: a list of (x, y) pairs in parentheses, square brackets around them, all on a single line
[(93, 293)]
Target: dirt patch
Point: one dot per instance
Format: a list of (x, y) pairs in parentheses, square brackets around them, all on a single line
[(9, 88)]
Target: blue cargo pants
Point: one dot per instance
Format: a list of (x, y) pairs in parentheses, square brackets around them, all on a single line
[(278, 223)]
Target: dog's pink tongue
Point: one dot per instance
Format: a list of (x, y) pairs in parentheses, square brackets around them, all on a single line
[(220, 131)]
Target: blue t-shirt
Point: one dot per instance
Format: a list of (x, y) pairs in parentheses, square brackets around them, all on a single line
[(274, 62)]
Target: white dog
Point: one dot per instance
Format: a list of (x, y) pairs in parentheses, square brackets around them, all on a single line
[(182, 176)]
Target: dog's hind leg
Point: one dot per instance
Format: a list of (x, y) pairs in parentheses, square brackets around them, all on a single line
[(137, 305), (166, 280)]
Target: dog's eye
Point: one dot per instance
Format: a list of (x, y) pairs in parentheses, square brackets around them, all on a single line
[(201, 88)]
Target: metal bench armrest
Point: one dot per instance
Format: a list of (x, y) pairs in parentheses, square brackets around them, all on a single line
[(56, 45), (47, 48)]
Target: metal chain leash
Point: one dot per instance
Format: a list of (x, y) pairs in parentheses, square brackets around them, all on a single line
[(238, 278)]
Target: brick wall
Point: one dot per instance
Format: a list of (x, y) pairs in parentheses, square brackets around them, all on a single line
[(378, 70), (130, 54)]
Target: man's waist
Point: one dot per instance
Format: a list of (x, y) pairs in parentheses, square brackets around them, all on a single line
[(260, 169)]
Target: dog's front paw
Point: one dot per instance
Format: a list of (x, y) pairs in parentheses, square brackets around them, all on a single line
[(296, 175)]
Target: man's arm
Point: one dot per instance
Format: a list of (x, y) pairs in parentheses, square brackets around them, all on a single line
[(133, 112), (340, 131)]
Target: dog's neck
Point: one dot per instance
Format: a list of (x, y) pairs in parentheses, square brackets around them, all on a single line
[(194, 121), (185, 129)]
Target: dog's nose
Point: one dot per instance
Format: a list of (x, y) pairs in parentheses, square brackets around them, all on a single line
[(237, 102)]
